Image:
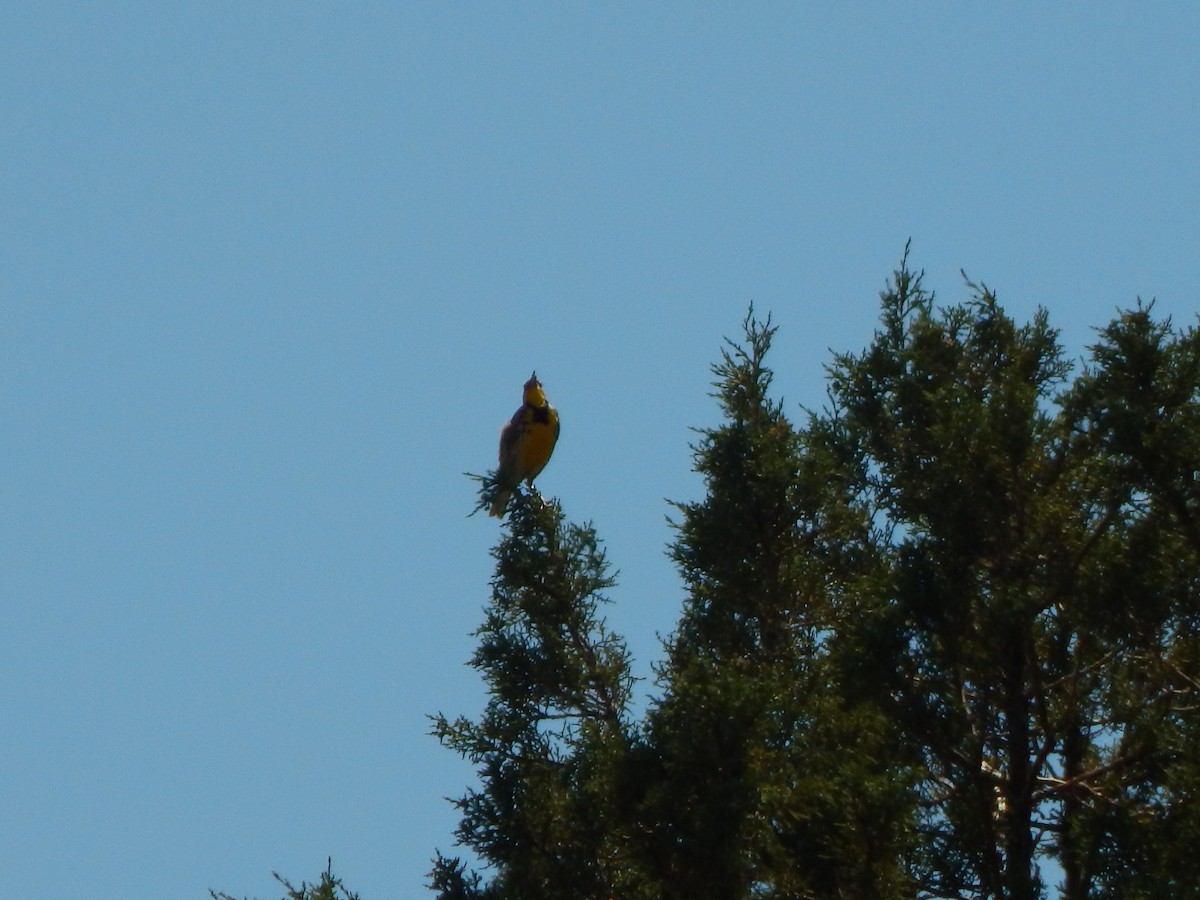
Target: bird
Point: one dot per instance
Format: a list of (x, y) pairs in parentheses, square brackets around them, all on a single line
[(526, 443)]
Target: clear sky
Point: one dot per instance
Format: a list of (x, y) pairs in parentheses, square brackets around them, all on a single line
[(271, 278)]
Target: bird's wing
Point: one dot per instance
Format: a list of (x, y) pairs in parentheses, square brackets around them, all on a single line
[(510, 436)]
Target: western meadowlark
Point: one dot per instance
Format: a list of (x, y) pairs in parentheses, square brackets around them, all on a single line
[(526, 443)]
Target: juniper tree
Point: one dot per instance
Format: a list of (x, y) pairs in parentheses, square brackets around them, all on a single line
[(555, 725), (328, 888), (1043, 599), (942, 631), (1131, 779), (775, 783)]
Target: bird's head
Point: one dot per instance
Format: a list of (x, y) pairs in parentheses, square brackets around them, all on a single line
[(534, 395)]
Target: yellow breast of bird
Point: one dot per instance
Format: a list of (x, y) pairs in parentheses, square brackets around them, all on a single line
[(537, 442)]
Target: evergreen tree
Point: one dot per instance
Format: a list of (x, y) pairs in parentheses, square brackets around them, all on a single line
[(1132, 786), (940, 633), (774, 783), (1043, 587), (328, 888), (555, 728)]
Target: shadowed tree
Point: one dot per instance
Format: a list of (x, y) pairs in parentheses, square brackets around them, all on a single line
[(555, 725), (936, 634), (328, 888), (775, 781), (1044, 581)]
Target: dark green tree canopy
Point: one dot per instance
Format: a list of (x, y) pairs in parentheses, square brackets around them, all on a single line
[(941, 638)]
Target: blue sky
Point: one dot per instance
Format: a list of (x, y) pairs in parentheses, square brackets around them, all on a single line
[(271, 277)]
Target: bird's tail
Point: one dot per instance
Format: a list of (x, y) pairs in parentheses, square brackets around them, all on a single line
[(499, 502)]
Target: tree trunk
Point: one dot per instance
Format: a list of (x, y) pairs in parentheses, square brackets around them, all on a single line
[(1018, 838)]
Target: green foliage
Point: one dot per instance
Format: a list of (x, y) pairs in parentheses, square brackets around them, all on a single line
[(778, 782), (1043, 577), (940, 633), (554, 732), (328, 888)]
